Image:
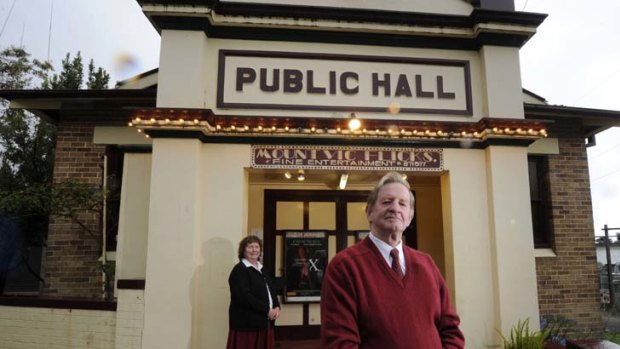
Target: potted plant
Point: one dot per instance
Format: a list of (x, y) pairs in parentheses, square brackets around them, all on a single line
[(522, 338)]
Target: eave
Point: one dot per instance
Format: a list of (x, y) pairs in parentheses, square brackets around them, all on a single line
[(99, 106), (593, 120)]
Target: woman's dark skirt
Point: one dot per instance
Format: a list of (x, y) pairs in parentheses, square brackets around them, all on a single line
[(264, 339)]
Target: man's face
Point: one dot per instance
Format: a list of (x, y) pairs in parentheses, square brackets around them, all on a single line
[(392, 211)]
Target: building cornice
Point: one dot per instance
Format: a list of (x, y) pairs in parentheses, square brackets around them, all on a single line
[(211, 128), (275, 22)]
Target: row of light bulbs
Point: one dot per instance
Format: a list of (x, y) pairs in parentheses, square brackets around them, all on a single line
[(354, 129)]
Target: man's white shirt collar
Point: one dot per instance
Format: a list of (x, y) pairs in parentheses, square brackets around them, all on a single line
[(385, 249)]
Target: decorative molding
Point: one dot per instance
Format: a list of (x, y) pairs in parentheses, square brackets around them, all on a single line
[(210, 128), (279, 22)]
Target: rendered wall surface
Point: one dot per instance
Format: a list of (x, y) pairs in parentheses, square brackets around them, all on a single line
[(129, 319), (44, 328)]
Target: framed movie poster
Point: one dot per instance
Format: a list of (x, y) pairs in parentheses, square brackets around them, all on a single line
[(305, 258)]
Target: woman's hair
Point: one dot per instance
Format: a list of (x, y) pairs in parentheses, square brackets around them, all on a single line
[(389, 178), (245, 242)]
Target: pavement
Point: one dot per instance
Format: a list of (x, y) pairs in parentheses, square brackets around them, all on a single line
[(612, 322)]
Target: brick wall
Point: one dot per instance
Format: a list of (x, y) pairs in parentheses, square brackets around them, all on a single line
[(70, 266), (30, 328), (568, 283)]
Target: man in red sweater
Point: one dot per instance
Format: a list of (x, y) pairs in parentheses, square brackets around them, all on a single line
[(381, 294)]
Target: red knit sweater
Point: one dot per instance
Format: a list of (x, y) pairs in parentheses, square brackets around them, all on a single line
[(365, 305)]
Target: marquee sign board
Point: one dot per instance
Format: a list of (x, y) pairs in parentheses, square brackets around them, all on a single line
[(346, 158), (304, 81)]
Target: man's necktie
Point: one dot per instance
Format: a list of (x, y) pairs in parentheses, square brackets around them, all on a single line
[(396, 263)]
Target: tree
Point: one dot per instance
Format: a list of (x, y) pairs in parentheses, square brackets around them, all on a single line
[(17, 70), (98, 79), (27, 195), (72, 76), (26, 151)]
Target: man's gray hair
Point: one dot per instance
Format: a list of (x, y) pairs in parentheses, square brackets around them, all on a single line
[(389, 178)]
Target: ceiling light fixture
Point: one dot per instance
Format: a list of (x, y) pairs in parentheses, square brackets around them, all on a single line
[(300, 176), (354, 122)]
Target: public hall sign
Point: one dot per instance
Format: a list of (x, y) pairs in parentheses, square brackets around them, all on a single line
[(346, 158), (304, 81)]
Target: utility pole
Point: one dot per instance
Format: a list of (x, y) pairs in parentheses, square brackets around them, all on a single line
[(612, 298)]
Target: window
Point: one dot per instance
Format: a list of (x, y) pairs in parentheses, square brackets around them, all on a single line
[(114, 180), (539, 198)]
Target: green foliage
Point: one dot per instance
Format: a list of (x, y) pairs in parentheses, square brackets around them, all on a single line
[(26, 142), (98, 79), (559, 327), (612, 337), (17, 70), (27, 145), (27, 149), (71, 77), (66, 199), (109, 270), (522, 338)]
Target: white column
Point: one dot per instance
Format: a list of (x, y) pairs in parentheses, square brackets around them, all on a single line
[(183, 70), (224, 224), (174, 230), (488, 241), (467, 246), (133, 217), (131, 248), (501, 75), (512, 242)]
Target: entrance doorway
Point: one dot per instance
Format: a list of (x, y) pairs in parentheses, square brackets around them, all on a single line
[(337, 217), (278, 204)]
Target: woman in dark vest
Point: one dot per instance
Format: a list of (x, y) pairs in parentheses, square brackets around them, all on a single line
[(254, 306)]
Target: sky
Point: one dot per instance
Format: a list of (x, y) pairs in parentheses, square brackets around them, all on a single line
[(573, 60)]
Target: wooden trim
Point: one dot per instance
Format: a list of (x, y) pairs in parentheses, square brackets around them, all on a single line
[(58, 303), (136, 149), (306, 140), (306, 314), (130, 284)]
